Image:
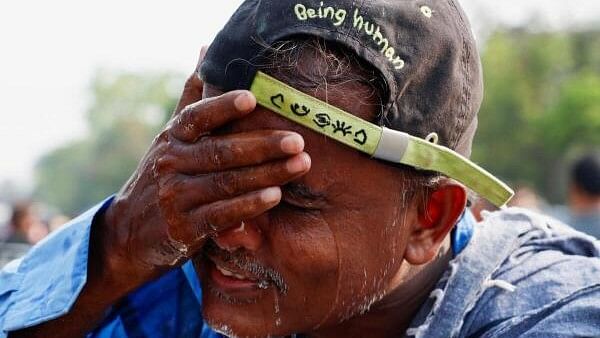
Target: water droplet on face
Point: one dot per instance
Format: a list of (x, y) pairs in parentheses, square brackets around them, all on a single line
[(263, 284), (276, 309), (224, 330)]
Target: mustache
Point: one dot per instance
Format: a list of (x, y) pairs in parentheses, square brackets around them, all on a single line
[(243, 261)]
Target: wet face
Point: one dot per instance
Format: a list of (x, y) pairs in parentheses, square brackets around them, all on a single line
[(326, 252)]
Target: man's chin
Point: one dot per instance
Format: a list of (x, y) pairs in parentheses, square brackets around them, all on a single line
[(236, 317), (237, 302), (239, 309)]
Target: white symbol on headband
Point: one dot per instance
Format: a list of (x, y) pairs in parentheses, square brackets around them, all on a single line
[(426, 11)]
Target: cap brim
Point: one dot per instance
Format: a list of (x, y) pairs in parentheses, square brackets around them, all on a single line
[(380, 142)]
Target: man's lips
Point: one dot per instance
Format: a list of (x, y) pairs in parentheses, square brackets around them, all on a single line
[(234, 281), (232, 271), (228, 273)]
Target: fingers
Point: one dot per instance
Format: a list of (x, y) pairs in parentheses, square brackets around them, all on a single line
[(192, 90), (199, 118), (190, 192), (219, 153), (220, 215)]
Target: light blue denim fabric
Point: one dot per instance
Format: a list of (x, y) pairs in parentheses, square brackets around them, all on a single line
[(45, 283), (555, 280), (522, 275)]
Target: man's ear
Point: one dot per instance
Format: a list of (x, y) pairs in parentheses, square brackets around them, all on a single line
[(435, 220)]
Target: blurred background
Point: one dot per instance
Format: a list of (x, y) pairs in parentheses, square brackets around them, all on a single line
[(84, 87)]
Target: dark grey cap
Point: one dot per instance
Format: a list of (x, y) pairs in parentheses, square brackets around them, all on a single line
[(424, 50)]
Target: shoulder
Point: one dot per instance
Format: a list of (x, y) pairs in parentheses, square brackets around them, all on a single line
[(550, 279)]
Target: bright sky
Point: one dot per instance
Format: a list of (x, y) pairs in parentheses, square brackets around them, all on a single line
[(50, 49)]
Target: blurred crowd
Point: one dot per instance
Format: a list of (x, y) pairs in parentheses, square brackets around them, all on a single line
[(27, 223), (582, 209)]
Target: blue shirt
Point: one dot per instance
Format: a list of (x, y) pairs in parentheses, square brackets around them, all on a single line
[(516, 274)]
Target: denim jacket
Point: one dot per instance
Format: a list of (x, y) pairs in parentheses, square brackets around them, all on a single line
[(521, 274)]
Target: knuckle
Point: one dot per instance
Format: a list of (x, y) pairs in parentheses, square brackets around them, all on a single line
[(176, 186), (225, 183), (204, 122), (235, 150), (254, 203), (163, 136), (187, 111), (201, 153), (170, 148), (165, 190), (204, 221), (185, 121), (218, 153), (191, 81), (274, 171), (164, 164), (165, 198)]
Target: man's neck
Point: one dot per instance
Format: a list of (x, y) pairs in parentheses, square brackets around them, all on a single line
[(391, 316)]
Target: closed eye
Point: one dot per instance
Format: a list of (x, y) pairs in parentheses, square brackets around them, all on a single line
[(297, 206), (299, 196)]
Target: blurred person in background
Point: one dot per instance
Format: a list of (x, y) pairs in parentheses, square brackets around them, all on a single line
[(583, 210), (57, 221), (26, 226), (5, 212), (526, 197), (24, 229), (480, 206)]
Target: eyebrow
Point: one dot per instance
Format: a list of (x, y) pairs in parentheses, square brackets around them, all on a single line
[(302, 191)]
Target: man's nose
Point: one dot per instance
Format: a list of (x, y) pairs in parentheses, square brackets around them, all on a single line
[(245, 236)]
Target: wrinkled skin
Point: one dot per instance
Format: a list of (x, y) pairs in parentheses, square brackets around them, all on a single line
[(327, 228)]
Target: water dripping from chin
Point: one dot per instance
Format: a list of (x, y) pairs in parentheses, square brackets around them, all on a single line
[(276, 309)]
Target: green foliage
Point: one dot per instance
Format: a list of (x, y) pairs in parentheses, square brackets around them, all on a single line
[(542, 106), (126, 112)]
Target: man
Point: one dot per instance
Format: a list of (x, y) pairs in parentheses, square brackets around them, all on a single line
[(24, 229), (27, 226), (583, 212), (242, 222), (21, 232)]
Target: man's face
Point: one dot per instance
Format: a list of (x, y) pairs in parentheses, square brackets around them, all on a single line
[(326, 252)]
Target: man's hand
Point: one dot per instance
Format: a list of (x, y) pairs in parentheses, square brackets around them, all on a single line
[(192, 184)]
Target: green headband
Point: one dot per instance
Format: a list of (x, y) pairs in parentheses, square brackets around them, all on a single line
[(379, 142)]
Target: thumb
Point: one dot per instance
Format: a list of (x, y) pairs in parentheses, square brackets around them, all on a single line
[(192, 90)]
